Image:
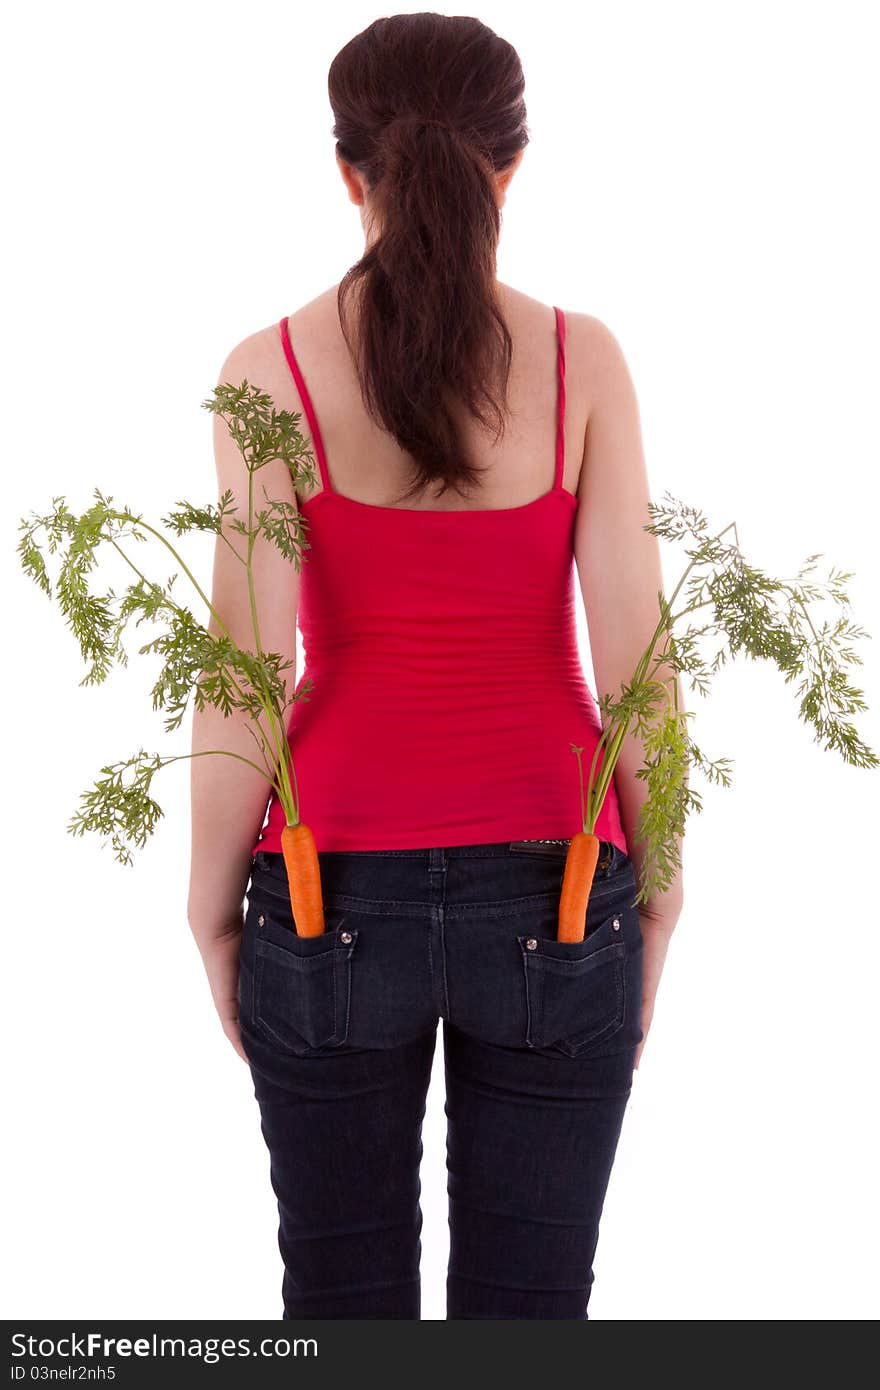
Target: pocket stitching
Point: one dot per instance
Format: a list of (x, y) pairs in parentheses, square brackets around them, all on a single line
[(575, 1043), (343, 964), (336, 956), (332, 915), (303, 965), (535, 973), (268, 1031), (586, 963), (266, 1027)]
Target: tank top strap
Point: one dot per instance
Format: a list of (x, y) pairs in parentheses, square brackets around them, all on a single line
[(560, 399), (306, 399)]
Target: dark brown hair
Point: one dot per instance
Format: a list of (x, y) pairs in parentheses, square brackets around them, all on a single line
[(428, 108)]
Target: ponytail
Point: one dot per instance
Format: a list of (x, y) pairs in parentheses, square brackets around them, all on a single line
[(428, 333)]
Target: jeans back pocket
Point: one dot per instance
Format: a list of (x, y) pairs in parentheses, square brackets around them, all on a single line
[(575, 990), (302, 984)]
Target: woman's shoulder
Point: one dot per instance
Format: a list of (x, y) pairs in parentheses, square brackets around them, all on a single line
[(262, 350), (590, 342), (595, 357), (256, 355), (259, 356), (591, 336)]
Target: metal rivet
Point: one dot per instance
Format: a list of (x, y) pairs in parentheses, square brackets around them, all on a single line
[(531, 944), (261, 921), (345, 936), (615, 925)]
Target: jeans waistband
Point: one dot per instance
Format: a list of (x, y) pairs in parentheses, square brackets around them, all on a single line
[(611, 856)]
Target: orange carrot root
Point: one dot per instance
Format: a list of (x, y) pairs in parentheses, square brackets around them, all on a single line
[(304, 879), (580, 866)]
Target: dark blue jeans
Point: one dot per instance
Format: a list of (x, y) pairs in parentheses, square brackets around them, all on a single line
[(539, 1041)]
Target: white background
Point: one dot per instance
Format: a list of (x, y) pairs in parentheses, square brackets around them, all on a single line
[(702, 178)]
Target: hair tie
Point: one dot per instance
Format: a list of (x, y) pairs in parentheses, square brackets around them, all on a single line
[(414, 118)]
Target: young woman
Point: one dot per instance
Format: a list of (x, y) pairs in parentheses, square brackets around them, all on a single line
[(473, 448)]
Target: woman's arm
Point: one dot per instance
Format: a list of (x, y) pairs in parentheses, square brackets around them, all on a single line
[(620, 576), (228, 798)]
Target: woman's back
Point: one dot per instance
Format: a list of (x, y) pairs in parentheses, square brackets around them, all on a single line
[(367, 462), (446, 687)]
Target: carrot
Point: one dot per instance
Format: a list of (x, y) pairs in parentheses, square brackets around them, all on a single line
[(304, 879), (577, 880), (580, 866)]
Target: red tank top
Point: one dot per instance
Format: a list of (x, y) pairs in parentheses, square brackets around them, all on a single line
[(447, 682)]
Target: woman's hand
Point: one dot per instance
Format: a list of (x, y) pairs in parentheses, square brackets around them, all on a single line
[(220, 955), (656, 934)]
